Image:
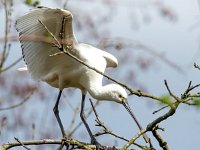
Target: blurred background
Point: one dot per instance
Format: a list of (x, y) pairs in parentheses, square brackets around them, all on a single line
[(152, 39)]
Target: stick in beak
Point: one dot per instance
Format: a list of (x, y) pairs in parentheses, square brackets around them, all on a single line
[(126, 105)]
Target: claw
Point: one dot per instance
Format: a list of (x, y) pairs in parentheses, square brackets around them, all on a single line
[(64, 143), (97, 144)]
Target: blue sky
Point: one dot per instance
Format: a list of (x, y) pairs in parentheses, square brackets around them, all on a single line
[(178, 41)]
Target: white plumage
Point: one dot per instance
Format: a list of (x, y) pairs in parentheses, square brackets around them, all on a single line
[(59, 71), (62, 71)]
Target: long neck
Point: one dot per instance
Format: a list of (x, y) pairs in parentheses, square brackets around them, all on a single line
[(100, 92)]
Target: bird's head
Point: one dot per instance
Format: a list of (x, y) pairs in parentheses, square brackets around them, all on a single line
[(117, 93)]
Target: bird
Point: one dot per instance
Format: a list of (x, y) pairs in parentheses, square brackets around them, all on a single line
[(45, 32)]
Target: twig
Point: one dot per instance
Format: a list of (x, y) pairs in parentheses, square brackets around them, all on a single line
[(189, 89), (65, 4), (163, 144), (76, 110), (7, 28), (138, 45), (19, 104), (135, 92), (156, 111), (11, 65), (59, 45), (80, 123), (74, 143), (100, 123), (106, 130), (22, 144), (196, 66), (163, 117), (33, 142), (170, 93), (132, 141)]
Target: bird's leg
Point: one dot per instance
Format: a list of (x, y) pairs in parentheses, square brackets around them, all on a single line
[(56, 112), (82, 115)]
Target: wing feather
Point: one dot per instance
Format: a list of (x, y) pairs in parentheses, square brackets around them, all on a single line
[(110, 59), (35, 51)]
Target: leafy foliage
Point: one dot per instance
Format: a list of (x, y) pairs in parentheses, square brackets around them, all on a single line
[(33, 3), (166, 99)]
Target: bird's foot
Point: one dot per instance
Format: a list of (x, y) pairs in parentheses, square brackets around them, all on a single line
[(65, 143), (97, 144)]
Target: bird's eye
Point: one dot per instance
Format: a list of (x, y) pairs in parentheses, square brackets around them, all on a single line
[(120, 96)]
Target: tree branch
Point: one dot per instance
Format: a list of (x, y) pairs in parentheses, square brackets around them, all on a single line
[(20, 103), (163, 144)]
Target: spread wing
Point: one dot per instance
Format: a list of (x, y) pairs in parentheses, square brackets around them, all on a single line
[(111, 61), (36, 41)]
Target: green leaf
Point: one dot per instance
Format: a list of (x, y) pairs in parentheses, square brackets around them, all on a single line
[(33, 3), (197, 102), (166, 99), (28, 2)]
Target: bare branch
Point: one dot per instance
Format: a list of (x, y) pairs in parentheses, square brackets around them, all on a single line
[(156, 111), (21, 103), (80, 123), (65, 141), (106, 130), (132, 141), (170, 93), (11, 65), (135, 92), (58, 43), (196, 66), (22, 144), (163, 144), (7, 30)]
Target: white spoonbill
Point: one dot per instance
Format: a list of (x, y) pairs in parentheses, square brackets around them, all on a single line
[(62, 71)]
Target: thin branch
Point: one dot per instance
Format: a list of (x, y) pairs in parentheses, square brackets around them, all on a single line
[(135, 92), (22, 144), (151, 126), (21, 103), (71, 142), (170, 93), (132, 141), (196, 66), (33, 142), (189, 89), (156, 111), (106, 130), (163, 144), (138, 45), (76, 110), (100, 123), (11, 65), (59, 45), (3, 57), (80, 123), (172, 110)]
